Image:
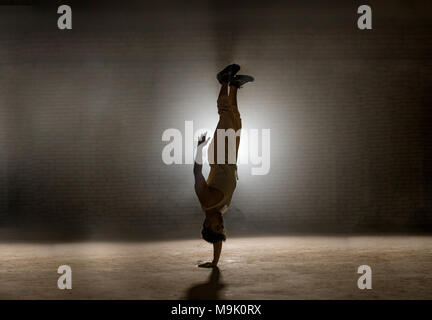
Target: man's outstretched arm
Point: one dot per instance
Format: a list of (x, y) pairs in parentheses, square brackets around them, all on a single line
[(200, 190), (200, 182)]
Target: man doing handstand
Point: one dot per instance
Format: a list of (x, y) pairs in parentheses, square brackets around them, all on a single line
[(215, 194)]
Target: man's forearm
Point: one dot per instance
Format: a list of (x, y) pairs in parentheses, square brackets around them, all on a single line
[(198, 161)]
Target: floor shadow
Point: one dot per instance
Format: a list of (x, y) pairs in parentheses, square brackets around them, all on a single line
[(209, 290)]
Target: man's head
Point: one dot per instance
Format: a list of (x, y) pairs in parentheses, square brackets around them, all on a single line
[(213, 228)]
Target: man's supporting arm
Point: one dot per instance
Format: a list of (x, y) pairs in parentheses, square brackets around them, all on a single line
[(217, 249)]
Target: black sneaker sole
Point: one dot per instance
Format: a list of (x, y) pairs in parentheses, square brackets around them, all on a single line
[(241, 79)]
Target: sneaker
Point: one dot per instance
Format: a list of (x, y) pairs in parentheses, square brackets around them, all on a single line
[(240, 80), (228, 73)]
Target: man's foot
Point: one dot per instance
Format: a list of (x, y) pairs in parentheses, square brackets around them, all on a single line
[(240, 80), (228, 73)]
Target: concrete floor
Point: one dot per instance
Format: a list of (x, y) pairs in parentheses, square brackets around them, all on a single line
[(294, 267)]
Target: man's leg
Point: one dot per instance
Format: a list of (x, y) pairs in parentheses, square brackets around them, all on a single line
[(227, 120), (232, 98), (223, 95)]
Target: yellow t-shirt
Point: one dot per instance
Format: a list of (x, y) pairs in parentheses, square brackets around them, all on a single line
[(223, 177)]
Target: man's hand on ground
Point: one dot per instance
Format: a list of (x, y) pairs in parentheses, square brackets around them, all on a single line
[(207, 265)]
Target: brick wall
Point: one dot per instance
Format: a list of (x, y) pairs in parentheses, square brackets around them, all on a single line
[(84, 111)]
